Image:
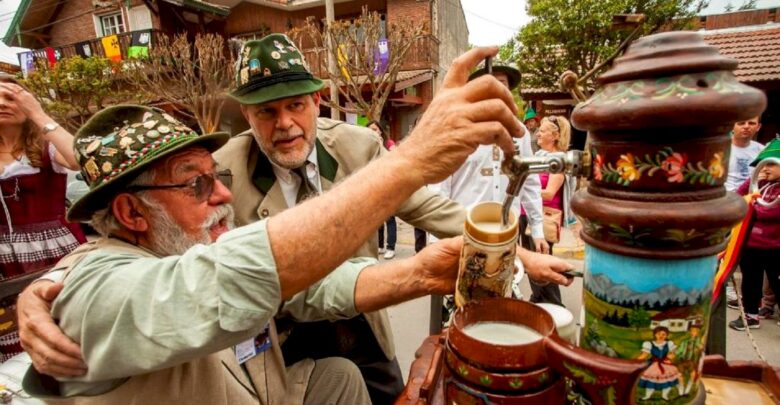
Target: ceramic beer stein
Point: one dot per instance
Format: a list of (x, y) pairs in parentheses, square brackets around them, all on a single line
[(488, 256)]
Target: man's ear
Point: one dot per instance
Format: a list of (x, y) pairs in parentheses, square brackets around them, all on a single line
[(130, 212)]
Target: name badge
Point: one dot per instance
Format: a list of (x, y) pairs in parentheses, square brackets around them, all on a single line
[(250, 348)]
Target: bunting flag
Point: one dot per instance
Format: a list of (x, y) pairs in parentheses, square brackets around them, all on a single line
[(51, 56), (84, 49), (139, 46), (27, 63), (111, 47), (341, 52), (381, 57), (729, 259)]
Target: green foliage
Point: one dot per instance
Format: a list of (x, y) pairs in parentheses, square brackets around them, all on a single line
[(577, 35), (608, 394), (749, 5), (519, 103), (75, 88), (580, 373), (639, 318)]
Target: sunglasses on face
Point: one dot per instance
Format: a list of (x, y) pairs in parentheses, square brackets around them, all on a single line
[(202, 186)]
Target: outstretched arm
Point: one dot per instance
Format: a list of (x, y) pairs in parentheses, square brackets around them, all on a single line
[(432, 271), (462, 116)]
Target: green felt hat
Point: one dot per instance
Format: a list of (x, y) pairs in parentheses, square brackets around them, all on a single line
[(772, 150), (118, 142), (529, 114), (512, 74), (272, 68)]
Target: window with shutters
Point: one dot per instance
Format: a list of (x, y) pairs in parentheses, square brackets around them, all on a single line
[(112, 24)]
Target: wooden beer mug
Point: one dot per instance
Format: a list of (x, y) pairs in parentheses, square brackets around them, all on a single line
[(507, 351)]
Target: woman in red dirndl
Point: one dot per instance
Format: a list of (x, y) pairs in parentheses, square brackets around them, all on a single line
[(34, 155)]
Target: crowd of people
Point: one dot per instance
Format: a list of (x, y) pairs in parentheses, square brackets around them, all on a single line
[(251, 261), (762, 249), (197, 271)]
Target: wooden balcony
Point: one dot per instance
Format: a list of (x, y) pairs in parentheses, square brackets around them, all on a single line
[(424, 54), (125, 39)]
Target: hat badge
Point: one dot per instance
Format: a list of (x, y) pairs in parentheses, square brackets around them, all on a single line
[(278, 45)]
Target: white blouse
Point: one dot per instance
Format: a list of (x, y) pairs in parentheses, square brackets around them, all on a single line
[(23, 167)]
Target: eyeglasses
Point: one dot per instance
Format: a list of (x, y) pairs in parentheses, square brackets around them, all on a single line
[(202, 186)]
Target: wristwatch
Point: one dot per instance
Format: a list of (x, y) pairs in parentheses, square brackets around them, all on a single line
[(50, 127)]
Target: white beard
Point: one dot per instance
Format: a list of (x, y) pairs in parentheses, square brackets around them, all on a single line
[(169, 239)]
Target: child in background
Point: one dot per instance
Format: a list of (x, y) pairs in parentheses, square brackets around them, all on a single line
[(762, 252)]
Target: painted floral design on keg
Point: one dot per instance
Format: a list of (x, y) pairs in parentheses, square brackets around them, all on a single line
[(463, 370), (582, 375), (628, 235), (675, 87), (679, 86), (598, 163), (675, 166), (627, 168), (661, 319), (543, 378), (486, 380), (716, 166)]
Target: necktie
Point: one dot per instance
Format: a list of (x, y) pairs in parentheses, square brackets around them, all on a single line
[(307, 189)]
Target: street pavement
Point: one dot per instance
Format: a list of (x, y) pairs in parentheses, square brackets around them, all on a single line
[(410, 320)]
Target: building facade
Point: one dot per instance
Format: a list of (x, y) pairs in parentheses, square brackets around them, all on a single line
[(70, 23)]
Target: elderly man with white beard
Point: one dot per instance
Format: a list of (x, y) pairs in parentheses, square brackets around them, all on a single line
[(192, 321)]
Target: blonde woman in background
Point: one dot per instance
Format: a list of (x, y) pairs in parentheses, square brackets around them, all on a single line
[(554, 135)]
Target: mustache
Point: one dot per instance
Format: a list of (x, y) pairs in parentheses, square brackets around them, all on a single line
[(222, 212), (284, 134)]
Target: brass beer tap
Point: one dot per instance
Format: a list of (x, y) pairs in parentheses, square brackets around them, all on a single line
[(517, 168)]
